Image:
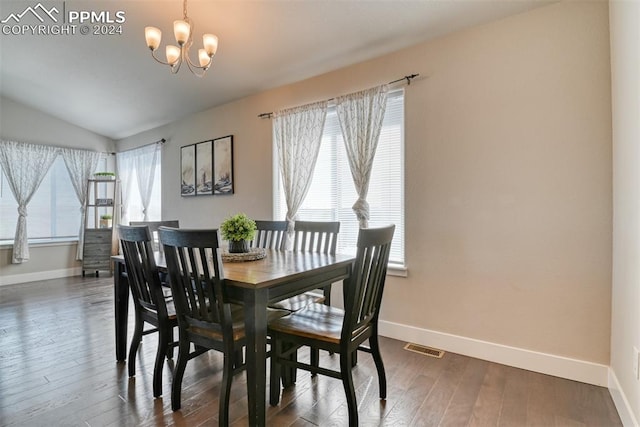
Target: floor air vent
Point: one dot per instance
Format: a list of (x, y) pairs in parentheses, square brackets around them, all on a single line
[(427, 351)]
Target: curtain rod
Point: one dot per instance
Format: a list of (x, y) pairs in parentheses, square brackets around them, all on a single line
[(407, 78), (160, 141)]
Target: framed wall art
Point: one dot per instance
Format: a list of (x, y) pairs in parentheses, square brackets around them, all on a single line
[(223, 165), (204, 168), (188, 170)]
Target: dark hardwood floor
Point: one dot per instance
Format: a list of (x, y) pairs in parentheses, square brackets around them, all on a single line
[(58, 368)]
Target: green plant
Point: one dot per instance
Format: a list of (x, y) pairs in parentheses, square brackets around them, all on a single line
[(106, 216), (238, 227)]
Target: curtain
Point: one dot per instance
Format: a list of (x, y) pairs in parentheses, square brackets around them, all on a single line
[(81, 165), (298, 133), (146, 160), (125, 162), (25, 166), (360, 115)]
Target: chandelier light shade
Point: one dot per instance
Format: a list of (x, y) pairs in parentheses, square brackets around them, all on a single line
[(176, 55)]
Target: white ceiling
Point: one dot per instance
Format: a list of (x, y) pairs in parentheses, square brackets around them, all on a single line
[(110, 85)]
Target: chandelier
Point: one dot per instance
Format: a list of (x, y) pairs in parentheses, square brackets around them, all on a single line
[(176, 55)]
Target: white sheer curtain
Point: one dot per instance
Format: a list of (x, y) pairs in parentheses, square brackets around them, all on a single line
[(24, 165), (360, 115), (145, 162), (125, 165), (81, 165), (298, 132)]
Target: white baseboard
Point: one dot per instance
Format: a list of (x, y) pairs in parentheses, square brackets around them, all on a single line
[(621, 402), (39, 275), (559, 366)]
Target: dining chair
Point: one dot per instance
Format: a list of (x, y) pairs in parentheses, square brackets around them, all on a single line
[(205, 319), (336, 330), (151, 304), (310, 236), (270, 235)]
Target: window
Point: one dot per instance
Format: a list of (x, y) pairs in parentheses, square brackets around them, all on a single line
[(52, 213), (332, 193), (127, 168)]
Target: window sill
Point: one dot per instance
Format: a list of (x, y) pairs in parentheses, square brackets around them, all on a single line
[(397, 270), (36, 243)]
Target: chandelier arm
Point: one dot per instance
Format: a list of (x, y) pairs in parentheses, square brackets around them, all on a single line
[(192, 65), (153, 54), (195, 72)]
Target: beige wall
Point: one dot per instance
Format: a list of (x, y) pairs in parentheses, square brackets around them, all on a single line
[(508, 177), (625, 325), (21, 123)]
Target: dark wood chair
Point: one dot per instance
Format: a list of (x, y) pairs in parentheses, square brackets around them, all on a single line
[(151, 304), (270, 235), (311, 236), (336, 330), (205, 319)]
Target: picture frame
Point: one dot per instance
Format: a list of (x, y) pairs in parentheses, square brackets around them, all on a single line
[(188, 170), (223, 183), (204, 168)]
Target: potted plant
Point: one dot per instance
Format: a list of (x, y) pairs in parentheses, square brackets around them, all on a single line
[(105, 221), (105, 175), (238, 229)]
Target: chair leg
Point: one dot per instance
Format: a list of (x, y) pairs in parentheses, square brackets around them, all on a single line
[(238, 358), (290, 373), (170, 339), (349, 390), (163, 346), (315, 359), (176, 387), (276, 372), (135, 343), (225, 389), (327, 294), (377, 358)]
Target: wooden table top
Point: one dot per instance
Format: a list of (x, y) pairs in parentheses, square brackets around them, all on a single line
[(277, 267)]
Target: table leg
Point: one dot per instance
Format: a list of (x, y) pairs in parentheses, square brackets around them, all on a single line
[(255, 318), (121, 309)]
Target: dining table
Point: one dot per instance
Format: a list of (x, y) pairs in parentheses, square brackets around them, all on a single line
[(254, 284)]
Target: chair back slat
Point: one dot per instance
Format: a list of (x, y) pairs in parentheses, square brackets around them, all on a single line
[(270, 235), (316, 236), (196, 276), (365, 287), (142, 272)]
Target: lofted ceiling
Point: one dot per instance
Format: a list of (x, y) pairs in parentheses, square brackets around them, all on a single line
[(109, 84)]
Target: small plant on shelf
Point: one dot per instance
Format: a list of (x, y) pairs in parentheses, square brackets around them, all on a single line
[(104, 175), (105, 220), (238, 230)]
